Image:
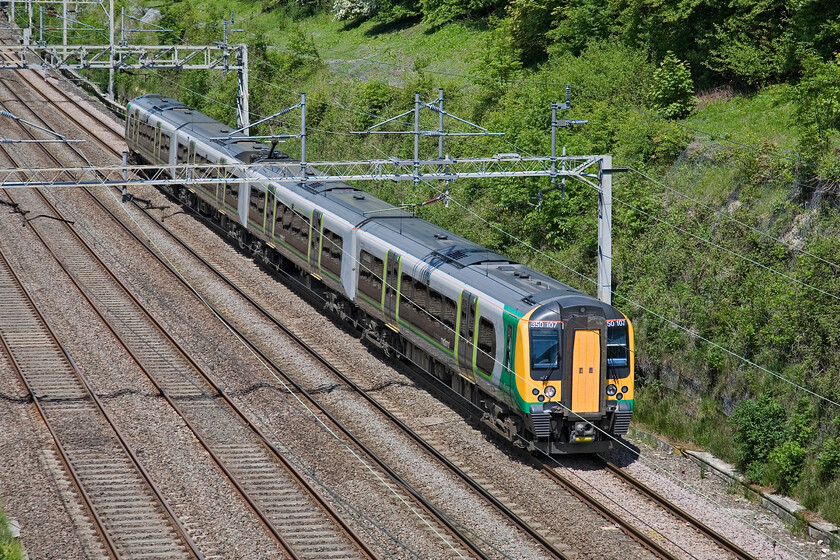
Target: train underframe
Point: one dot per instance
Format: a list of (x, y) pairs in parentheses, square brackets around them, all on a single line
[(550, 433)]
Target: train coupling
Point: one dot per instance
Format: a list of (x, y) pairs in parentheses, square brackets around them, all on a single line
[(582, 432)]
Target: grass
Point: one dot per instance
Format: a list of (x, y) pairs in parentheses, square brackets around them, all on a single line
[(10, 547), (680, 418), (750, 119), (368, 50)]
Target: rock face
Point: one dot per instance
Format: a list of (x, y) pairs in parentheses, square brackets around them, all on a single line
[(151, 16)]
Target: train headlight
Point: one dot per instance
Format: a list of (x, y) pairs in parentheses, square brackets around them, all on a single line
[(625, 389), (619, 396), (550, 391), (611, 389), (536, 391)]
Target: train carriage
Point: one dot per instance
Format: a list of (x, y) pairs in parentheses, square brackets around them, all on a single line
[(551, 367)]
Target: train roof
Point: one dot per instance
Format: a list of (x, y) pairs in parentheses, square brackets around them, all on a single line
[(202, 127), (515, 284)]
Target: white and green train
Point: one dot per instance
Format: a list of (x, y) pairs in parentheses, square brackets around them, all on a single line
[(551, 367)]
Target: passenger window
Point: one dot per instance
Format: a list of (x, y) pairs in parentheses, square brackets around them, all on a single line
[(371, 270), (508, 342), (331, 252), (486, 356)]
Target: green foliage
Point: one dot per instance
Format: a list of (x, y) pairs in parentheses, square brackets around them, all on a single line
[(828, 460), (373, 97), (785, 465), (759, 428), (576, 23), (10, 547), (440, 12), (756, 43), (818, 113), (303, 47), (395, 11), (499, 62), (673, 90), (530, 20)]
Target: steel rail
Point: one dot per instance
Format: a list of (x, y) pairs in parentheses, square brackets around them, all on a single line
[(628, 528), (179, 528), (533, 533), (719, 539), (65, 459), (430, 449), (292, 470), (315, 403)]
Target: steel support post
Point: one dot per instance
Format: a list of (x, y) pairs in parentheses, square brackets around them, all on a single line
[(243, 113), (303, 138), (27, 33), (416, 139), (442, 168), (64, 23), (605, 230), (111, 53)]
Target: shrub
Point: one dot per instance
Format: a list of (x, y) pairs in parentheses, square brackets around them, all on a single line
[(439, 12), (353, 9), (499, 62), (759, 428), (673, 89), (372, 96), (828, 461), (785, 465), (530, 20)]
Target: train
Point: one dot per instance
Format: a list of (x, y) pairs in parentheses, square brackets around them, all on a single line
[(550, 367)]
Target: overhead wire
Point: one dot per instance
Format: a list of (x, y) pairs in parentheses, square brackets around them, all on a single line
[(728, 217), (688, 331), (627, 299), (118, 257)]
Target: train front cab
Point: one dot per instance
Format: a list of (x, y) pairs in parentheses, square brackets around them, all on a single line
[(574, 375)]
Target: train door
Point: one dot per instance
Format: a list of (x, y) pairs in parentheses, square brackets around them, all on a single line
[(392, 278), (244, 202), (270, 205), (135, 126), (190, 160), (586, 370), (156, 146), (220, 187), (466, 334), (584, 377), (315, 239)]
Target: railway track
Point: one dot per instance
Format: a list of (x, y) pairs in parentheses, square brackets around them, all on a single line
[(662, 541), (129, 511), (289, 507), (551, 544), (246, 467), (640, 534), (466, 543)]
